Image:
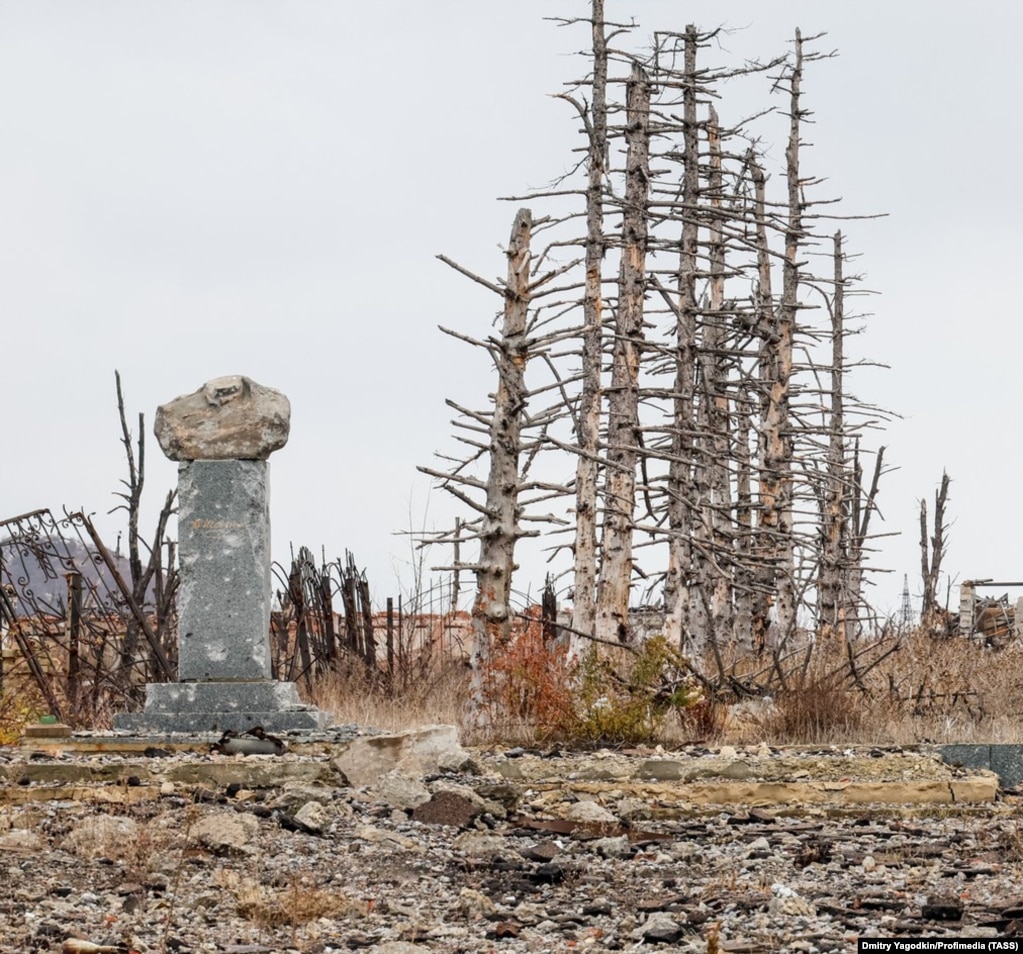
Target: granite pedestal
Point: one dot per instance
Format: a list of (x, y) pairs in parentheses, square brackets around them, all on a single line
[(196, 707), (224, 667)]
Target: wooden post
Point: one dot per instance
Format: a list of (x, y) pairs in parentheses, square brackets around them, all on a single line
[(326, 594), (74, 632), (298, 599), (369, 646), (390, 640)]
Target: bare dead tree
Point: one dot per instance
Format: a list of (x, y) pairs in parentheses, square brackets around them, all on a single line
[(776, 467), (715, 525), (623, 402), (719, 442), (500, 530), (678, 578), (933, 544), (587, 415), (864, 505), (834, 524), (497, 525), (154, 582)]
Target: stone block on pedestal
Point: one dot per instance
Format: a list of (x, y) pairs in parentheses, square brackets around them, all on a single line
[(222, 435)]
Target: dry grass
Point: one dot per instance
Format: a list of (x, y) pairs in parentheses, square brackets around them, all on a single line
[(916, 689), (299, 903), (435, 696)]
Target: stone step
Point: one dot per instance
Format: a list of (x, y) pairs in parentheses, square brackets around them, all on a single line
[(672, 784)]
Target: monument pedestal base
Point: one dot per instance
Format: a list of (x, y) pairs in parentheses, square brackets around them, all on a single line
[(218, 706)]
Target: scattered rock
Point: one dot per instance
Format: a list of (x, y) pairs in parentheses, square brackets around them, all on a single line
[(455, 809), (590, 813), (547, 874), (738, 770), (942, 907), (400, 791), (313, 816), (659, 928), (224, 833), (479, 844), (378, 836), (788, 903), (662, 770), (415, 753), (20, 839), (542, 851), (611, 847), (499, 792), (106, 836), (672, 875), (473, 904)]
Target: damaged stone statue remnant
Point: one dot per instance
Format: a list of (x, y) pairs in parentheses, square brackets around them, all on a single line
[(230, 418), (222, 435)]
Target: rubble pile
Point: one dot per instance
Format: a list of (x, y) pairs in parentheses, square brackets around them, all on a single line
[(405, 844)]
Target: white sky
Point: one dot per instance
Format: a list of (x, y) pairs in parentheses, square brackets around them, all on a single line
[(238, 186)]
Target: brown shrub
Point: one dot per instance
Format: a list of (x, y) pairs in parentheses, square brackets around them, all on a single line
[(529, 687)]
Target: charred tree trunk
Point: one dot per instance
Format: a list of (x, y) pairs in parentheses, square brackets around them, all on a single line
[(717, 505), (931, 557), (834, 527), (132, 497), (766, 322), (678, 579), (623, 401), (587, 421), (297, 594), (499, 531), (780, 443), (326, 599), (742, 622), (776, 486), (864, 502), (153, 575)]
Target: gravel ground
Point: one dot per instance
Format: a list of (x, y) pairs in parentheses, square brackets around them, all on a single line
[(517, 853)]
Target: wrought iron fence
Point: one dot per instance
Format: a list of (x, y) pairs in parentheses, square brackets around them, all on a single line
[(67, 617), (324, 621), (76, 628)]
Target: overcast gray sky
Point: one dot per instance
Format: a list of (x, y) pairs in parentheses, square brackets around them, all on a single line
[(237, 186)]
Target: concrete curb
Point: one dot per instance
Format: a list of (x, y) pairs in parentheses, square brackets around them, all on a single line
[(1005, 760)]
